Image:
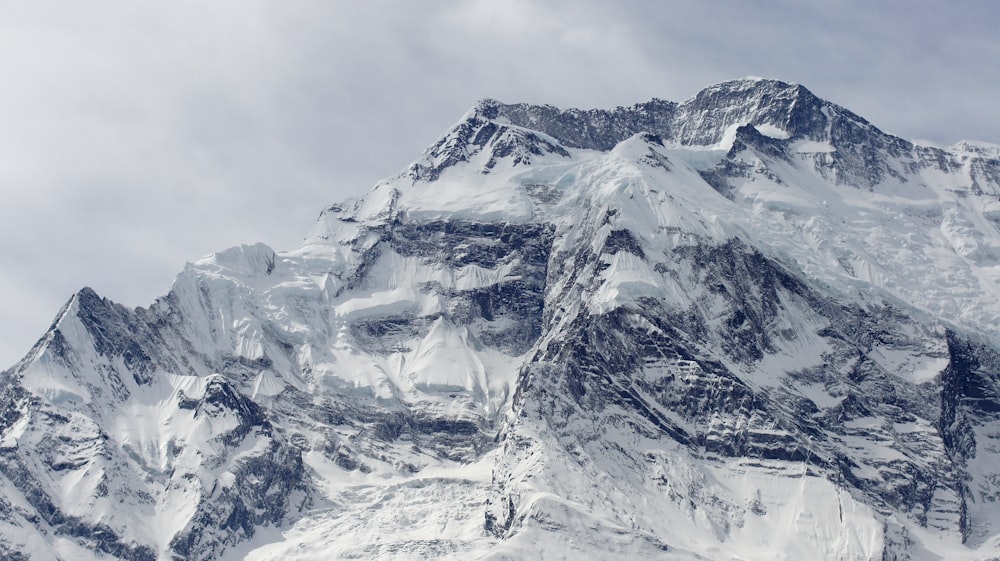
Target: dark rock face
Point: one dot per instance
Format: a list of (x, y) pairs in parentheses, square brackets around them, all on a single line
[(476, 136), (21, 473), (789, 107), (221, 398), (512, 308), (258, 496), (593, 129), (970, 404), (110, 325), (622, 240), (675, 375), (701, 120), (860, 158)]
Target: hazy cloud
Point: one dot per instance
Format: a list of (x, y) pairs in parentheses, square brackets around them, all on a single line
[(135, 137)]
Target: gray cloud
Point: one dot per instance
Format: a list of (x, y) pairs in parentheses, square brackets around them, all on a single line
[(134, 138)]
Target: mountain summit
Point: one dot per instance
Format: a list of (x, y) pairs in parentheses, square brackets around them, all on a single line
[(749, 325)]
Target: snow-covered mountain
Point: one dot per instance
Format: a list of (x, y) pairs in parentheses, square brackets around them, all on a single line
[(746, 326)]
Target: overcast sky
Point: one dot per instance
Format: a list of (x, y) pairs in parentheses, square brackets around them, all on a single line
[(134, 137)]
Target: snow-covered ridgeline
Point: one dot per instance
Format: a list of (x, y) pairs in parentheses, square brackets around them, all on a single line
[(747, 324)]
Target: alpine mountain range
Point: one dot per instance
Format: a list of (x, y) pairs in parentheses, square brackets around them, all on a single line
[(750, 325)]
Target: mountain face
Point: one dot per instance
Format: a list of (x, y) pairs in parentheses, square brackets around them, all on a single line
[(750, 325)]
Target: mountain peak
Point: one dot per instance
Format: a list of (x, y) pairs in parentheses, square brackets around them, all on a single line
[(595, 129), (781, 110), (749, 82), (702, 120), (704, 117)]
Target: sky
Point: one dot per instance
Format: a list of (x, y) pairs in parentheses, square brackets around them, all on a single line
[(135, 137)]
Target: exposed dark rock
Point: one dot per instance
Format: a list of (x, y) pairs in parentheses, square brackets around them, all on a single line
[(622, 240), (258, 496)]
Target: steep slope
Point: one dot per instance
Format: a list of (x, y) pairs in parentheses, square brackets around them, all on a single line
[(746, 325)]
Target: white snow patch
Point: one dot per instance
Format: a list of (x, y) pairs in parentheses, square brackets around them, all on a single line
[(771, 131)]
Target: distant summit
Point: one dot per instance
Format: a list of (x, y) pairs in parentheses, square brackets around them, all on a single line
[(711, 118)]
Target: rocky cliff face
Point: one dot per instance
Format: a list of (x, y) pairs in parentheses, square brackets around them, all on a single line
[(750, 324)]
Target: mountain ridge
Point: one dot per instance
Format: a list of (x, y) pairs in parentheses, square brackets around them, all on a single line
[(750, 323)]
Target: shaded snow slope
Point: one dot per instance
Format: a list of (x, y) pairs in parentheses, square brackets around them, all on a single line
[(748, 325)]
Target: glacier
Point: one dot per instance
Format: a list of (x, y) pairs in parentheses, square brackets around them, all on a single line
[(750, 325)]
